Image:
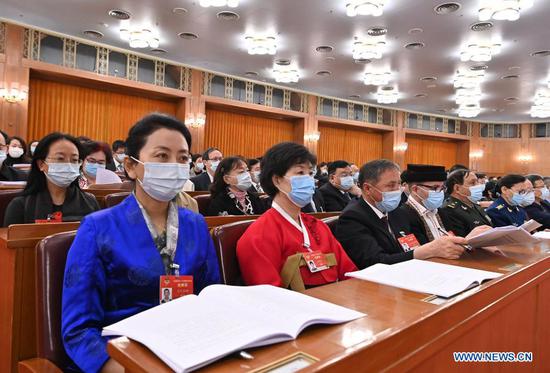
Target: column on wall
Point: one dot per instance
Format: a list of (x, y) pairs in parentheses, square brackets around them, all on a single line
[(525, 148), (391, 140), (194, 106), (310, 126), (13, 116)]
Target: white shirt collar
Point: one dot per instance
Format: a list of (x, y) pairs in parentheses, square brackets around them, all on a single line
[(379, 213), (210, 176), (301, 227), (419, 206)]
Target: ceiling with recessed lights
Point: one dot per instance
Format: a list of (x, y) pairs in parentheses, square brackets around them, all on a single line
[(419, 55)]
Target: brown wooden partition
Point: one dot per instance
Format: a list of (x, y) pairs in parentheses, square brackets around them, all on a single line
[(214, 221), (17, 290)]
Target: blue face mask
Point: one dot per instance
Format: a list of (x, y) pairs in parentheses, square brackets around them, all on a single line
[(390, 201), (544, 193), (214, 165), (356, 177), (91, 168), (528, 199), (346, 182), (517, 199), (301, 190), (434, 200), (476, 193)]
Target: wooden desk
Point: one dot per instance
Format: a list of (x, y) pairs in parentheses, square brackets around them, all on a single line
[(17, 289), (402, 332)]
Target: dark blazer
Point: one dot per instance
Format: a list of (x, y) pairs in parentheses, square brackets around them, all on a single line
[(202, 182), (319, 203), (223, 204), (21, 160), (8, 173), (415, 222), (28, 208), (111, 166), (335, 200), (540, 213), (366, 238)]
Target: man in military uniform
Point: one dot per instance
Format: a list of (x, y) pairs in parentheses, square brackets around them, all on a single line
[(507, 210), (460, 212)]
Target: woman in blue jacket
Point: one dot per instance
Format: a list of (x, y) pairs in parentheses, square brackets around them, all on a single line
[(115, 263)]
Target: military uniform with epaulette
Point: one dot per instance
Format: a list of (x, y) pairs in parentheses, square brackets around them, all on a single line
[(503, 214), (461, 218)]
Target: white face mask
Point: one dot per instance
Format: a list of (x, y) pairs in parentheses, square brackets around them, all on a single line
[(3, 157), (15, 152), (63, 174), (120, 157), (163, 181), (244, 181), (33, 148)]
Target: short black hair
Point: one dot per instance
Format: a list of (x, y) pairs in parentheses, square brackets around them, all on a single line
[(278, 160), (480, 175), (458, 166), (533, 178), (253, 162), (138, 134), (96, 146), (36, 182), (195, 156), (322, 164), (5, 136), (219, 185), (332, 166), (22, 142), (206, 154), (83, 139), (117, 144), (371, 171), (456, 178), (509, 181)]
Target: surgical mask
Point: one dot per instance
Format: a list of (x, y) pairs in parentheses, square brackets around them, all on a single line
[(33, 148), (517, 199), (244, 181), (3, 157), (91, 168), (346, 182), (120, 157), (528, 199), (15, 152), (476, 193), (256, 175), (390, 201), (356, 177), (434, 200), (163, 181), (545, 193), (199, 166), (214, 165), (302, 188), (62, 174)]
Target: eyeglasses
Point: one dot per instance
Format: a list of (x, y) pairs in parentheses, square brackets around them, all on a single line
[(95, 161), (434, 188), (64, 160), (216, 159)]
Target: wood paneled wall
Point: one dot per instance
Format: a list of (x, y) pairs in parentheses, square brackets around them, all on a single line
[(431, 151), (242, 134), (81, 111), (353, 145)]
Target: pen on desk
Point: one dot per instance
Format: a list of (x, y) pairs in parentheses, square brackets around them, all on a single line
[(466, 247), (245, 355)]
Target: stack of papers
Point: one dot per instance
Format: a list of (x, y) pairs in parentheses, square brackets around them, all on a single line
[(193, 331), (509, 235), (425, 277)]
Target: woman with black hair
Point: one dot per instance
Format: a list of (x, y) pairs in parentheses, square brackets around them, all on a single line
[(52, 192), (17, 152), (283, 237), (506, 209), (122, 255), (229, 190)]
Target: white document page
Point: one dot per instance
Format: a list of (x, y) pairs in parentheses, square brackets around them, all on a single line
[(508, 235)]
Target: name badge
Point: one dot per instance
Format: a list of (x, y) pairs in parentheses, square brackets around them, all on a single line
[(56, 217), (316, 261), (174, 287), (408, 242)]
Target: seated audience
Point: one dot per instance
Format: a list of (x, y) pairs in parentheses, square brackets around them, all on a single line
[(32, 148), (457, 166), (321, 175), (539, 210), (115, 263), (52, 192), (427, 191), (489, 191), (547, 181), (230, 190), (8, 173), (97, 155), (197, 166), (506, 209), (336, 193), (283, 231), (119, 154), (255, 170), (317, 203), (373, 230), (354, 172), (17, 152), (211, 158), (460, 212)]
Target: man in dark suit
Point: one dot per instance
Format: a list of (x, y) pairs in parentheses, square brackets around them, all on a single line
[(211, 159), (372, 230), (317, 203), (255, 170), (337, 192)]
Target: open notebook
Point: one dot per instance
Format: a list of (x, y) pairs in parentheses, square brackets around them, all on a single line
[(193, 331), (425, 277), (508, 235)]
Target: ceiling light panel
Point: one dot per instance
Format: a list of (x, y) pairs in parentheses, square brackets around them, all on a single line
[(502, 10), (219, 3), (286, 74), (370, 48), (377, 77), (469, 111), (469, 79), (139, 37), (468, 96), (261, 44), (479, 52), (365, 7), (387, 95)]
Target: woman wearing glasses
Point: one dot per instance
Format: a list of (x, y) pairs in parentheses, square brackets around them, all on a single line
[(52, 192), (96, 156)]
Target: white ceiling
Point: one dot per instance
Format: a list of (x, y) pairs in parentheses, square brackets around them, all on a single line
[(302, 25)]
